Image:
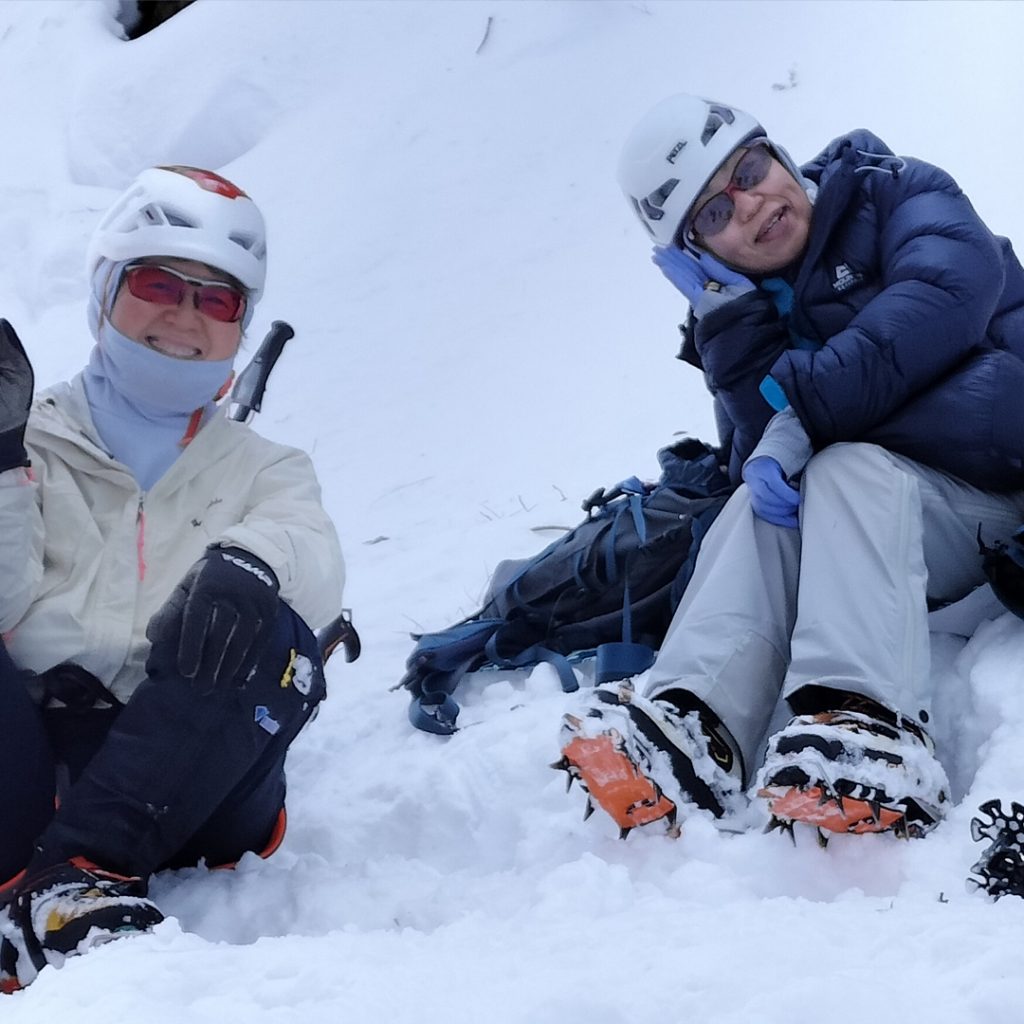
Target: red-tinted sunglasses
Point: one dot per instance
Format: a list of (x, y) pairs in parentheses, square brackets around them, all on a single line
[(715, 214), (166, 287)]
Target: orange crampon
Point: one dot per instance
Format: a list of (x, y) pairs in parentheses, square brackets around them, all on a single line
[(830, 812), (612, 780)]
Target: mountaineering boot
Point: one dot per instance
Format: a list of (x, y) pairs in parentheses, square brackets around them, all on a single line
[(66, 910), (640, 759), (859, 768)]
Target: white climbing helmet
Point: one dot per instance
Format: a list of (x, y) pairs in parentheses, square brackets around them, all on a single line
[(673, 152), (190, 214)]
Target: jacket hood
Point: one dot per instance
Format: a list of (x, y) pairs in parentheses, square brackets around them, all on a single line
[(860, 151)]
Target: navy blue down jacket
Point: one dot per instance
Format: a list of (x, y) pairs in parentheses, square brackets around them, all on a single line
[(910, 315)]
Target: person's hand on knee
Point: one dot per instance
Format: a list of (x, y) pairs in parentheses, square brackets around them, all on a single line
[(214, 626), (774, 499)]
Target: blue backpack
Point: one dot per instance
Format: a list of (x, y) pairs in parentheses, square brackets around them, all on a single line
[(608, 588)]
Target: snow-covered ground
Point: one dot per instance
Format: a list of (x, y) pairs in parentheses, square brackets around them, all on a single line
[(482, 341)]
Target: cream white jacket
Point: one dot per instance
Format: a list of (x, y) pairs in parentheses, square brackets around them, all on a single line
[(86, 558)]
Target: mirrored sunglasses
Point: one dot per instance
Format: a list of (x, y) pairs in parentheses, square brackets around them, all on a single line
[(163, 286), (715, 214)]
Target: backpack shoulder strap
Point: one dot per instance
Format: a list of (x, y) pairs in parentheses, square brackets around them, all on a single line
[(533, 656)]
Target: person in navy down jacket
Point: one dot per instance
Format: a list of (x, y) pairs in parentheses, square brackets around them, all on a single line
[(163, 569), (862, 333)]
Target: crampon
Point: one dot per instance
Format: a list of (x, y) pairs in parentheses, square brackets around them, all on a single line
[(608, 776), (640, 759), (832, 812), (851, 772)]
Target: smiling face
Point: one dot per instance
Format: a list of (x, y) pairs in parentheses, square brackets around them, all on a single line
[(770, 224), (179, 331)]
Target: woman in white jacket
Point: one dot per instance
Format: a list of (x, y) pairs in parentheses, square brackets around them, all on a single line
[(163, 567)]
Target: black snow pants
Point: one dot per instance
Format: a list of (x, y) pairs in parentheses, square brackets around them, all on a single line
[(173, 777)]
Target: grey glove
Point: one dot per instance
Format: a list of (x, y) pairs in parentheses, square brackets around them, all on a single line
[(16, 385)]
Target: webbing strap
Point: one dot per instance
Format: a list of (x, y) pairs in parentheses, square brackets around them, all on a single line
[(636, 507), (621, 661), (533, 655), (436, 717)]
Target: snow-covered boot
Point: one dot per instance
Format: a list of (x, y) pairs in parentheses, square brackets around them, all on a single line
[(640, 759), (64, 911), (858, 769)]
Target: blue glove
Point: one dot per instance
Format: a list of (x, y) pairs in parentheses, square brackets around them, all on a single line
[(691, 274), (774, 499)]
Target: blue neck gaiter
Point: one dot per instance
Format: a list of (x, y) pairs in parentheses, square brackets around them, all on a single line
[(141, 400)]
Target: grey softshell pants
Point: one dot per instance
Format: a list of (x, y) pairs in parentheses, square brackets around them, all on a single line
[(840, 603)]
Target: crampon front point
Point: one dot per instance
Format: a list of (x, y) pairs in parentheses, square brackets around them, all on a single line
[(829, 811)]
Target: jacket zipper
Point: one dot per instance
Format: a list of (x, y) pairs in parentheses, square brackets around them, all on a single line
[(140, 538)]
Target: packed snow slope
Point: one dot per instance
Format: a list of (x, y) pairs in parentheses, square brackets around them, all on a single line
[(481, 341)]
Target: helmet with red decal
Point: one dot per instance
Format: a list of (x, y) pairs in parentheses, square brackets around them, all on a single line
[(190, 214)]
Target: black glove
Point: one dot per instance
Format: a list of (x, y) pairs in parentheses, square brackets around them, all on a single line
[(215, 624), (16, 383)]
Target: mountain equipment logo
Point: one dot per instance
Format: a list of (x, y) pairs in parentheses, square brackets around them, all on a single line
[(843, 278)]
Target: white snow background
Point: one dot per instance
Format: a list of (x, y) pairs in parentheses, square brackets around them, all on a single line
[(481, 341)]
